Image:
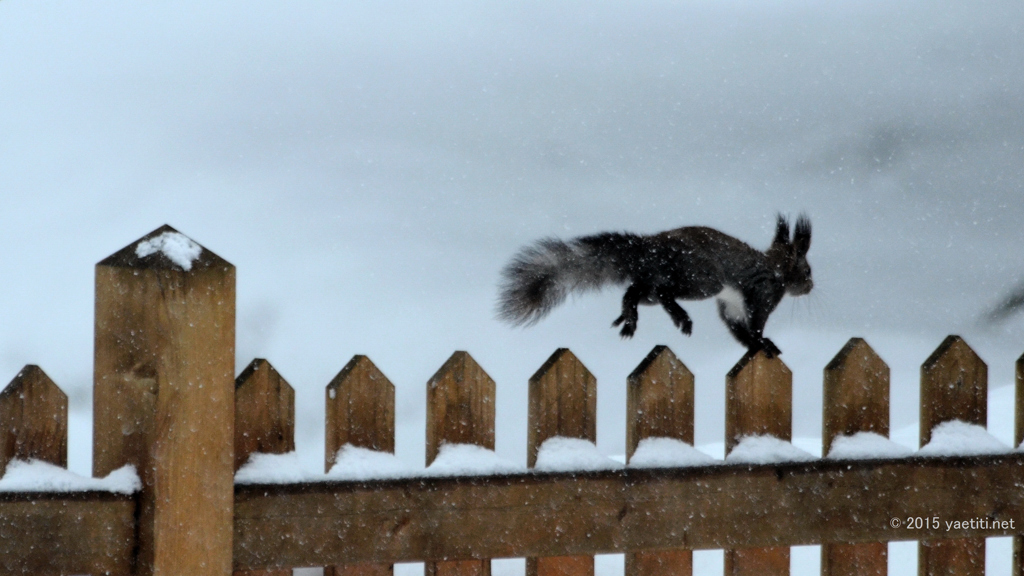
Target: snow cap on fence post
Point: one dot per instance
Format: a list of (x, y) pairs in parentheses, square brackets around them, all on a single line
[(33, 419), (164, 396)]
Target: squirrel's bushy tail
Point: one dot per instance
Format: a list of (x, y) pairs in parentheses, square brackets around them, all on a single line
[(540, 276)]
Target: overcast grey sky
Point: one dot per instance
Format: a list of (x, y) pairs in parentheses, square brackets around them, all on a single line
[(369, 167)]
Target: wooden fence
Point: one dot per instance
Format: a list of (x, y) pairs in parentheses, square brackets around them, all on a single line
[(166, 400)]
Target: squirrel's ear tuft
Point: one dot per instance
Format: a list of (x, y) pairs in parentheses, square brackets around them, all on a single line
[(781, 231), (802, 235)]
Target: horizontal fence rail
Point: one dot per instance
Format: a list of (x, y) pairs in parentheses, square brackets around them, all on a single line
[(165, 403), (549, 514), (545, 514), (67, 533)]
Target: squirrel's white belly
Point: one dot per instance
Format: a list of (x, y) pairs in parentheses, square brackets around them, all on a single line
[(733, 305)]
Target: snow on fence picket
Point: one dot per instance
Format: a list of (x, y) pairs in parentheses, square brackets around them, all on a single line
[(163, 403)]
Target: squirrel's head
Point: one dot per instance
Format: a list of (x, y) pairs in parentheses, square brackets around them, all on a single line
[(790, 257)]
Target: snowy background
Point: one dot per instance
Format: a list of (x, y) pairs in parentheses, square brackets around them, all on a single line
[(369, 167)]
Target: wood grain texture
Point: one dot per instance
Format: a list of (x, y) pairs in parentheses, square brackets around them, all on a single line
[(865, 559), (33, 419), (581, 514), (360, 570), (560, 565), (1017, 569), (562, 402), (856, 399), (460, 410), (360, 412), (659, 403), (264, 422), (460, 405), (954, 386), (360, 404), (856, 394), (953, 557), (45, 533), (758, 401), (458, 568), (164, 402), (660, 563), (264, 412), (760, 561), (659, 400)]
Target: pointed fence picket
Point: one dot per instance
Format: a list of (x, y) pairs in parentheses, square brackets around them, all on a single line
[(758, 402), (360, 404), (164, 402), (954, 386), (563, 402), (460, 410), (264, 423), (659, 404), (35, 413), (360, 412), (855, 399)]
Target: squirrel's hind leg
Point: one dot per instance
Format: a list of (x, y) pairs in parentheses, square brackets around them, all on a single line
[(769, 347), (630, 301), (679, 316)]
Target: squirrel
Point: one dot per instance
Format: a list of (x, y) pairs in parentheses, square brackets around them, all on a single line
[(691, 263)]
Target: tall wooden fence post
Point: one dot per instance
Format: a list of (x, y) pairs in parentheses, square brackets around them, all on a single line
[(360, 403), (758, 401), (164, 396), (563, 402), (460, 410), (33, 419), (659, 403), (1018, 440), (856, 399), (954, 386), (264, 422)]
